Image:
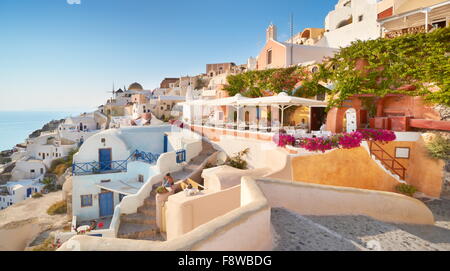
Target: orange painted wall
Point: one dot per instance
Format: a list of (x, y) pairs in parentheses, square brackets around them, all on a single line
[(354, 168), (350, 168), (335, 116), (393, 105), (390, 149), (409, 106), (425, 173)]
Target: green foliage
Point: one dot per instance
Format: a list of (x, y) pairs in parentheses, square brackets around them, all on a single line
[(60, 165), (209, 165), (50, 185), (47, 245), (255, 83), (4, 160), (58, 208), (388, 64), (369, 104), (377, 67), (69, 159), (237, 160), (161, 190), (406, 189), (200, 83), (439, 147), (36, 195)]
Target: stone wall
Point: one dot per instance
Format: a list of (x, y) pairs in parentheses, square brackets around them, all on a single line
[(444, 111)]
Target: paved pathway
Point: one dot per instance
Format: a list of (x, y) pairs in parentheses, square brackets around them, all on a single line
[(295, 232)]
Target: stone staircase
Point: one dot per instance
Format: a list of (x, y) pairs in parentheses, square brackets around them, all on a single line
[(191, 166), (386, 161), (142, 224)]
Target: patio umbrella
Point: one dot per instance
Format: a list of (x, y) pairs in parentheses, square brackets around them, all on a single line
[(282, 101)]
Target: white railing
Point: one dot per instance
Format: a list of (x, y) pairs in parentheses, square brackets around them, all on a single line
[(130, 204), (74, 224)]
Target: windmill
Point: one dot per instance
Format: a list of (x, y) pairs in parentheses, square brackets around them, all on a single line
[(113, 92)]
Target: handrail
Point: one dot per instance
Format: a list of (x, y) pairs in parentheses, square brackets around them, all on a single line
[(144, 156), (98, 167), (400, 171), (116, 165)]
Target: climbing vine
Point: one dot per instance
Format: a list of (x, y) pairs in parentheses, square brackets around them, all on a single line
[(414, 64)]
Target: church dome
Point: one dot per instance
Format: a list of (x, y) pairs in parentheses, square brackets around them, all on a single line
[(135, 86)]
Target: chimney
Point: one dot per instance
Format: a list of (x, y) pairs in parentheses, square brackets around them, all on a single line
[(271, 32)]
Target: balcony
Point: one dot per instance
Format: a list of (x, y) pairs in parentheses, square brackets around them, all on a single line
[(87, 168)]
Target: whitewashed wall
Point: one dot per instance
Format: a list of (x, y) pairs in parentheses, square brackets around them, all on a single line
[(366, 29)]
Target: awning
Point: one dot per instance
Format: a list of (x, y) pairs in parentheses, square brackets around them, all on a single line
[(126, 188), (228, 101), (217, 102), (282, 99)]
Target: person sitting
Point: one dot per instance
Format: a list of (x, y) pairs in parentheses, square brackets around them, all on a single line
[(168, 181)]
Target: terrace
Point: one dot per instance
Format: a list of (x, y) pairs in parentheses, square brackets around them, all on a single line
[(421, 20), (261, 116)]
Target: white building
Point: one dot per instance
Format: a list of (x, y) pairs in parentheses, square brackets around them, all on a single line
[(117, 162), (28, 169), (141, 108), (15, 192), (351, 20), (79, 128), (48, 147), (84, 122)]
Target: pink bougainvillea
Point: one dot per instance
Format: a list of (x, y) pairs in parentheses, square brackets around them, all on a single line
[(378, 135), (344, 140), (350, 140), (319, 143), (283, 139)]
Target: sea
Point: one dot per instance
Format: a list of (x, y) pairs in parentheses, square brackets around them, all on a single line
[(16, 126)]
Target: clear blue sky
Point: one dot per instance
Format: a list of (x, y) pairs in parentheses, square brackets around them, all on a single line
[(60, 56)]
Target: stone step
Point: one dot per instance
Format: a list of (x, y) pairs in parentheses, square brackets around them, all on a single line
[(137, 231), (156, 237), (138, 218), (148, 211), (149, 202), (395, 175)]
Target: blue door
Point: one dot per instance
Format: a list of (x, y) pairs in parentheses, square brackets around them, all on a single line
[(29, 191), (165, 143), (104, 159), (106, 203)]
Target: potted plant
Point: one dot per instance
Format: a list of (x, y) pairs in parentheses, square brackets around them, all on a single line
[(161, 190)]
